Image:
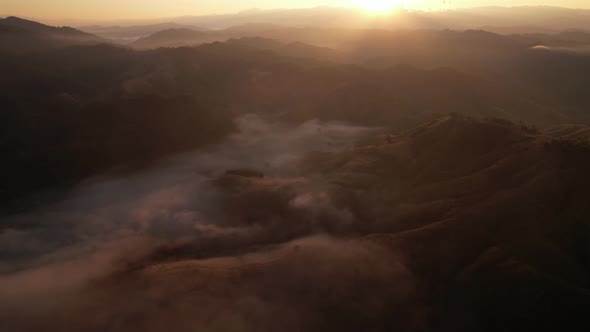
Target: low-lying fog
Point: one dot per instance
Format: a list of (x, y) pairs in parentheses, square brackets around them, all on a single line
[(107, 222)]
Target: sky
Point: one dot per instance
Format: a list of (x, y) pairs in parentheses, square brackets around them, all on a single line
[(148, 9)]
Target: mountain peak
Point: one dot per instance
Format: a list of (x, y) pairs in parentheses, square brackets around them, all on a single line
[(21, 35), (22, 23)]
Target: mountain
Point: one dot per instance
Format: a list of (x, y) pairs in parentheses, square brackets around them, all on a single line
[(175, 38), (294, 49), (342, 38), (316, 17), (456, 225), (574, 41), (19, 36), (537, 18), (133, 32), (402, 79), (375, 47), (523, 18), (503, 20), (189, 37), (45, 100), (268, 178)]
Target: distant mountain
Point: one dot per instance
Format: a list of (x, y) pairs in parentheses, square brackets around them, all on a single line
[(556, 73), (175, 38), (18, 35), (81, 101), (341, 38), (539, 18), (191, 37), (317, 17), (184, 37), (331, 27), (132, 33), (533, 19), (373, 47), (294, 49), (565, 40)]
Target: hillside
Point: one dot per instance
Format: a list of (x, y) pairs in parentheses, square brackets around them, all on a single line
[(478, 233), (552, 67), (457, 225), (19, 36)]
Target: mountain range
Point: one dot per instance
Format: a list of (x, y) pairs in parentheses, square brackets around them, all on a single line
[(476, 73), (284, 176), (526, 19), (455, 225)]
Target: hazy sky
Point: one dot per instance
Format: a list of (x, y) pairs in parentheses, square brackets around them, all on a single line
[(143, 9)]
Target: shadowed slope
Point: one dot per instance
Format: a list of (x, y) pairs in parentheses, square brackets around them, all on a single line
[(20, 36), (458, 225)]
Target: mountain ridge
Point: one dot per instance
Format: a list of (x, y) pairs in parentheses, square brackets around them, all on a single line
[(21, 36)]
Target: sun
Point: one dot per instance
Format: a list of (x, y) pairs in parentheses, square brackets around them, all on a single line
[(376, 6)]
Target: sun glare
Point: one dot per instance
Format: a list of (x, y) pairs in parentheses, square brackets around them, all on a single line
[(376, 6)]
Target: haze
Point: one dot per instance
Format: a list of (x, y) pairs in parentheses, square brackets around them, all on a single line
[(140, 9), (307, 166)]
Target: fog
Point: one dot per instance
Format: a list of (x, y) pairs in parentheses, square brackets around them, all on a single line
[(112, 223)]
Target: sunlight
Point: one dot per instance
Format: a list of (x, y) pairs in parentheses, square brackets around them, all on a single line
[(377, 6)]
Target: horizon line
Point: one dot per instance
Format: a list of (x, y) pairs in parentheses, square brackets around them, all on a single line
[(169, 19)]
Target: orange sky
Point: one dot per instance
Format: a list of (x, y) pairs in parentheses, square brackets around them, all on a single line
[(144, 9)]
